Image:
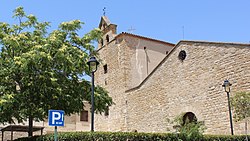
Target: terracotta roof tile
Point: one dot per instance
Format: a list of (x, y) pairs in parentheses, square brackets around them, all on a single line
[(143, 37)]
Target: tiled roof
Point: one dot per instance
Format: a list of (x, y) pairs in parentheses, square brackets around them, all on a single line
[(143, 37), (211, 42)]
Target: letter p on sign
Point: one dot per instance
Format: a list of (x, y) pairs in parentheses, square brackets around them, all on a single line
[(56, 118)]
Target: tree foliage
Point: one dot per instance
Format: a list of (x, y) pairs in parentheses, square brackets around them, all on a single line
[(41, 71), (241, 104)]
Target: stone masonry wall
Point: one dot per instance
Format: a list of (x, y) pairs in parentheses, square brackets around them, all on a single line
[(114, 82), (193, 85), (143, 56), (123, 57), (71, 123)]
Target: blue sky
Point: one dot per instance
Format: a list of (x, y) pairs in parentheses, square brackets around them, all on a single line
[(210, 20)]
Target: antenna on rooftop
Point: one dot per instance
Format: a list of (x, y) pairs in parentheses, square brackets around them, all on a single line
[(131, 29), (104, 11)]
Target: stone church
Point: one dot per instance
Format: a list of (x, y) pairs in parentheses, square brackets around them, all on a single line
[(152, 81)]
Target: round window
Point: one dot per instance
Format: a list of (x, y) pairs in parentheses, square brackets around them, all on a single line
[(182, 55)]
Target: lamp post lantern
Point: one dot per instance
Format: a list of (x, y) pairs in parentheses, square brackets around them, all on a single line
[(92, 63), (226, 86)]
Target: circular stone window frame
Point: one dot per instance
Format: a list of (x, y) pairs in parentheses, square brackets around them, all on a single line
[(182, 55)]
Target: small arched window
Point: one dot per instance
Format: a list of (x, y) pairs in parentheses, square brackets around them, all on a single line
[(104, 26), (106, 111), (107, 38), (105, 68), (101, 42)]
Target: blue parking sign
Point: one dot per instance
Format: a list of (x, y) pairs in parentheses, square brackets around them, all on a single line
[(56, 118)]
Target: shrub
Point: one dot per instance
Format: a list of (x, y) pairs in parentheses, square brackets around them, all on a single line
[(125, 136), (189, 128)]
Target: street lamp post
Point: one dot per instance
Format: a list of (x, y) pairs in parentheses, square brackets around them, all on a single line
[(227, 85), (92, 63)]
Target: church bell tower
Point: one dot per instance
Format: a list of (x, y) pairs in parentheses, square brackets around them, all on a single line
[(109, 31)]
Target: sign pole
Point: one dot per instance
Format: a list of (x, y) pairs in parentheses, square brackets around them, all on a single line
[(56, 118), (55, 135)]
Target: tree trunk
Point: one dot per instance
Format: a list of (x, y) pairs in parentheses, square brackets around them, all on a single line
[(30, 126)]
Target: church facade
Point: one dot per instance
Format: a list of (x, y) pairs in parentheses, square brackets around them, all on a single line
[(152, 82)]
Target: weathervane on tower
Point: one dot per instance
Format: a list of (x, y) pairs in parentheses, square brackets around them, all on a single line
[(104, 11)]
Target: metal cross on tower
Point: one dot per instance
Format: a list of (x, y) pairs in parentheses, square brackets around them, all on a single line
[(104, 11), (131, 29)]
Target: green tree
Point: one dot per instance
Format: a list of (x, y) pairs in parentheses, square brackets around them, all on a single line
[(41, 71), (241, 104)]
